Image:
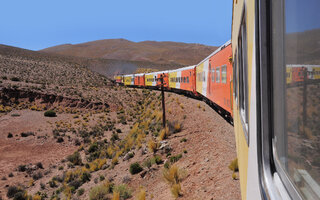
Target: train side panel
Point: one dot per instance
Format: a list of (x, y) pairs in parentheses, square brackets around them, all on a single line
[(139, 80), (219, 89), (128, 80)]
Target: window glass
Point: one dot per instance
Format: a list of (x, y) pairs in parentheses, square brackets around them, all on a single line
[(296, 98), (224, 74), (218, 74), (212, 75)]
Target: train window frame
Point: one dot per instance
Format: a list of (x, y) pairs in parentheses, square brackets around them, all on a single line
[(224, 71), (243, 97), (218, 75), (235, 77)]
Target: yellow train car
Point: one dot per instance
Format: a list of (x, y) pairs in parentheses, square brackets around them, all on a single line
[(128, 79), (151, 79), (276, 127)]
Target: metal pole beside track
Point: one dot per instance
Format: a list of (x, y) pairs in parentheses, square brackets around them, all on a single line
[(163, 103)]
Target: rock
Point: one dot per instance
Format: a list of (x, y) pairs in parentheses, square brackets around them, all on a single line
[(165, 148), (144, 150), (143, 173), (128, 156), (126, 179)]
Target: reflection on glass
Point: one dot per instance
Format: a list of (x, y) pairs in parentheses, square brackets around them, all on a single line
[(299, 147)]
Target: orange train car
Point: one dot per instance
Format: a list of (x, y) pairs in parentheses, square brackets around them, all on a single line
[(219, 84), (183, 79), (139, 80), (165, 75)]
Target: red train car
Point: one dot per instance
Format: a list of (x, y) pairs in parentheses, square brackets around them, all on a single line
[(219, 84), (139, 79)]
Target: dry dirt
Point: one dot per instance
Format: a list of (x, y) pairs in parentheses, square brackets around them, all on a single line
[(209, 149)]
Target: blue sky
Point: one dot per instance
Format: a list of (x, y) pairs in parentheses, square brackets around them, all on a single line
[(37, 24)]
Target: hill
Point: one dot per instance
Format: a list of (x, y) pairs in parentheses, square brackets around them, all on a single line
[(173, 53), (106, 67)]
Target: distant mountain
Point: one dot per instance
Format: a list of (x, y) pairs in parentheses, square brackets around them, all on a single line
[(148, 51), (106, 67)]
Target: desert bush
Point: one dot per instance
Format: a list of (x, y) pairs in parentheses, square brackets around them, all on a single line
[(93, 147), (75, 158), (37, 176), (52, 183), (116, 196), (135, 168), (39, 165), (118, 130), (124, 191), (10, 135), (98, 193), (234, 176), (175, 158), (22, 168), (157, 159), (50, 113), (114, 137), (10, 174), (80, 192), (183, 140), (173, 175), (176, 190), (16, 79), (60, 140), (141, 194), (152, 146), (12, 191), (234, 165), (26, 134), (177, 127)]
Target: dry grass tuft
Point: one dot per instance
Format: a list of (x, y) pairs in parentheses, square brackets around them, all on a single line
[(164, 133), (152, 145), (116, 195), (234, 165), (176, 190), (177, 127), (141, 194)]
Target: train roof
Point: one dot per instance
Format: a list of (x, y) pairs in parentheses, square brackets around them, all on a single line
[(182, 68), (128, 75), (216, 51)]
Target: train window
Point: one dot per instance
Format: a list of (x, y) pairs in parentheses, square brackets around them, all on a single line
[(212, 75), (243, 75), (187, 79), (224, 74), (218, 75), (296, 96), (235, 83)]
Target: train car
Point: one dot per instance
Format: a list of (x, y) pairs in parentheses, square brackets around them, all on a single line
[(118, 78), (219, 79), (150, 79), (276, 127), (128, 79), (202, 70), (165, 75), (183, 79), (139, 80)]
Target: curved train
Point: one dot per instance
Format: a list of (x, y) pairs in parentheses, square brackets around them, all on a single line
[(266, 79)]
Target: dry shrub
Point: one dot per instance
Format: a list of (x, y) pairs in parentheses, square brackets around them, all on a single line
[(173, 175), (164, 133), (152, 145), (198, 105), (176, 190), (234, 165), (177, 127), (234, 176), (98, 193), (141, 194), (116, 195)]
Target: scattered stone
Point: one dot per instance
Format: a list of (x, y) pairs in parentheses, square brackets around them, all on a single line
[(126, 179), (128, 156), (144, 150), (143, 173)]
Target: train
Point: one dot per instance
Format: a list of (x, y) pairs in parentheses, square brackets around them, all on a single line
[(266, 82), (210, 80)]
